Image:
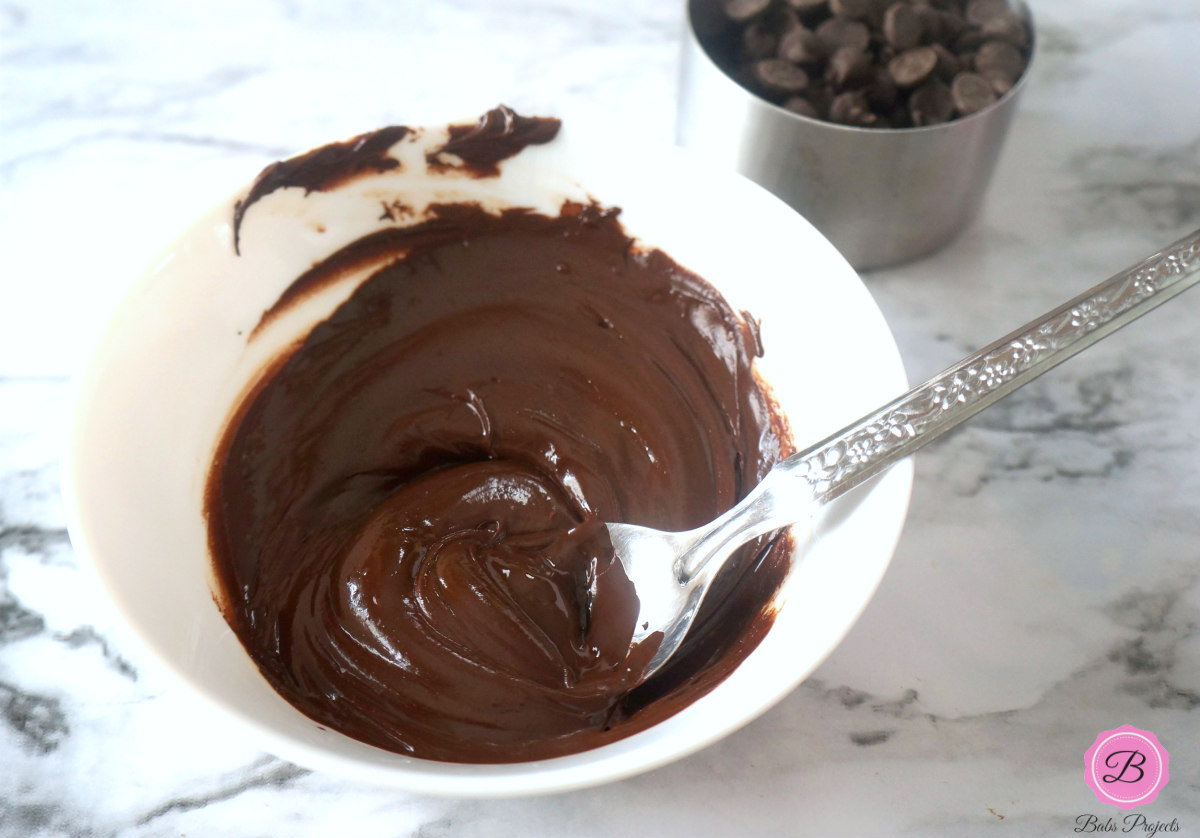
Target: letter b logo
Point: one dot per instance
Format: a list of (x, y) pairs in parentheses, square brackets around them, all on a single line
[(1133, 761), (1126, 767)]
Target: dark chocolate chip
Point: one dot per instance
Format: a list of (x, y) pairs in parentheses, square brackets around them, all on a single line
[(742, 10), (759, 41), (803, 107), (874, 18), (852, 108), (1001, 64), (802, 46), (912, 66), (948, 64), (971, 92), (931, 23), (1009, 28), (902, 27), (931, 103), (882, 92), (969, 40), (979, 12), (849, 67), (807, 7), (839, 32), (951, 24), (819, 95), (780, 76), (851, 9)]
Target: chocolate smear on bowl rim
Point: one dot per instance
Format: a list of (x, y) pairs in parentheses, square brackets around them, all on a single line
[(323, 168), (499, 134)]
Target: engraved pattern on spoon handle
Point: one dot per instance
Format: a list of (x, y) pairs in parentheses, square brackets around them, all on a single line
[(891, 433)]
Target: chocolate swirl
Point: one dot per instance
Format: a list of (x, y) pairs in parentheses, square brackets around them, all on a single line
[(406, 515)]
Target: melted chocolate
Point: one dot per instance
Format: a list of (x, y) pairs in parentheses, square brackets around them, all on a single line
[(323, 168), (499, 134), (405, 515)]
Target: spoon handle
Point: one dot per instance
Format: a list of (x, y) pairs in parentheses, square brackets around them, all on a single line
[(869, 445)]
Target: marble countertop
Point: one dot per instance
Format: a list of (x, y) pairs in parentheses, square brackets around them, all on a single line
[(1047, 585)]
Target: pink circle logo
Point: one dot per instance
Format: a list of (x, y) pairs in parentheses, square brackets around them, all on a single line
[(1126, 767)]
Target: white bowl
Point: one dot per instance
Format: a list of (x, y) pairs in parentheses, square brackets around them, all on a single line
[(159, 387)]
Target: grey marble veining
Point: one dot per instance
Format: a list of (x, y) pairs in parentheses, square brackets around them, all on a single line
[(1047, 585)]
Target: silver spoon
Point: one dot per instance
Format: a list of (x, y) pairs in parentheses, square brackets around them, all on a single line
[(672, 571)]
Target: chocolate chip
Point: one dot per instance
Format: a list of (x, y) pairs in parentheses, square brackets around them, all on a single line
[(931, 103), (1000, 63), (852, 108), (971, 92), (839, 32), (800, 105), (902, 26), (851, 9), (758, 41), (807, 7), (874, 18), (912, 66), (740, 11), (849, 67), (780, 76), (1007, 27), (882, 92), (948, 64), (979, 12), (820, 96), (951, 24), (802, 46), (969, 40)]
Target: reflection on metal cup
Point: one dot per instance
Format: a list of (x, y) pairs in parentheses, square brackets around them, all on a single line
[(882, 196)]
